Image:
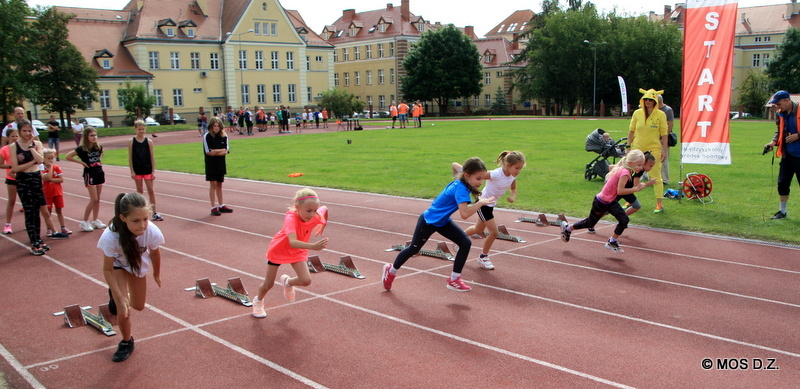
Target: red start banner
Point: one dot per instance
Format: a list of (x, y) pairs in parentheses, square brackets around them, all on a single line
[(709, 30)]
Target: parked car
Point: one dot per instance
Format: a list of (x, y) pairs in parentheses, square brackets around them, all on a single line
[(365, 115), (39, 126), (384, 114), (94, 122), (151, 122), (164, 119)]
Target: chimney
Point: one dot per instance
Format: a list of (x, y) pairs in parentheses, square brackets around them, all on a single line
[(515, 41), (348, 14), (469, 31), (389, 6), (667, 10), (405, 13)]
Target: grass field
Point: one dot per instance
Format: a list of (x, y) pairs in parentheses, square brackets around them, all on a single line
[(416, 162)]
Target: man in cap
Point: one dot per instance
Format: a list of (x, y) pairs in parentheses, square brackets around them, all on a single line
[(787, 144)]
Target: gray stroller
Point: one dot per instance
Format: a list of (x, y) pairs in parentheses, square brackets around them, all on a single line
[(605, 148)]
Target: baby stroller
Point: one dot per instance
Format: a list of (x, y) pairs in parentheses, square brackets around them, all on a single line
[(606, 148)]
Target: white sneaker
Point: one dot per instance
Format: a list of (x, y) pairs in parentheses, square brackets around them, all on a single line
[(485, 263), (258, 308), (288, 290), (98, 225), (86, 226)]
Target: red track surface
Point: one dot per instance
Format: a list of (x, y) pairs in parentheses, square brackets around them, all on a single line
[(552, 314)]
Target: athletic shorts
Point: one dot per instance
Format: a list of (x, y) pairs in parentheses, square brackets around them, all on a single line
[(57, 201), (486, 213), (94, 177), (11, 182), (144, 177)]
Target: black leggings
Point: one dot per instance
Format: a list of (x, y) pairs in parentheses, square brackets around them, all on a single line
[(599, 209), (423, 231), (29, 188)]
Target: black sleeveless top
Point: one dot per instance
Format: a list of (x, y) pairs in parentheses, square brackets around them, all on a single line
[(24, 152), (140, 157)]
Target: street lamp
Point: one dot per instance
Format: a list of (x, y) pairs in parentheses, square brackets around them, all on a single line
[(241, 68), (594, 89)]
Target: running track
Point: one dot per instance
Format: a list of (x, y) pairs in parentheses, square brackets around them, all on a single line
[(552, 314)]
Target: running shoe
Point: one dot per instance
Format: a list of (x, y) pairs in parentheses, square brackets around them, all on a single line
[(388, 278), (485, 263), (7, 229), (225, 209), (591, 230), (58, 235), (86, 226), (43, 246), (215, 211), (37, 250), (614, 246), (157, 218), (458, 285), (777, 216), (659, 209), (258, 308), (124, 350), (66, 230), (565, 233), (288, 290), (98, 225)]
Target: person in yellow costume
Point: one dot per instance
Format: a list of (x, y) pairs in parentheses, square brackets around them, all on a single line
[(648, 132)]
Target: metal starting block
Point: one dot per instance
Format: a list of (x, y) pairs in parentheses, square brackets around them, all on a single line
[(502, 233), (541, 220), (345, 266), (234, 292), (441, 251), (77, 316)]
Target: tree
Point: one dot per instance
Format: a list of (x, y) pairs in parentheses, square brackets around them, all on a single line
[(137, 101), (340, 102), (62, 80), (784, 70), (500, 105), (754, 92), (443, 65), (16, 61)]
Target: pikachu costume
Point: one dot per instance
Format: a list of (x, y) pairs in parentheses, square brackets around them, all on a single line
[(649, 133)]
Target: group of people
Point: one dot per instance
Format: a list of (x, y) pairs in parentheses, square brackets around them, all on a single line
[(400, 112), (244, 119)]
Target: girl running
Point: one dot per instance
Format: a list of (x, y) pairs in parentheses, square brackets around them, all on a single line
[(454, 197), (291, 244), (216, 147), (90, 153), (606, 201), (26, 156), (498, 182), (130, 248), (142, 162)]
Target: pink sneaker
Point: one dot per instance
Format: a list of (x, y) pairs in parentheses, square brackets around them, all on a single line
[(458, 285), (7, 229), (388, 278), (258, 308), (288, 290)]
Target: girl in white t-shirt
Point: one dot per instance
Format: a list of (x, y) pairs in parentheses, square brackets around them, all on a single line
[(498, 181), (130, 247)]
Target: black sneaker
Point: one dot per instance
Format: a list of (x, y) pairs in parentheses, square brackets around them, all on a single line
[(215, 212), (124, 350), (591, 230), (614, 246), (112, 305), (565, 233), (778, 215)]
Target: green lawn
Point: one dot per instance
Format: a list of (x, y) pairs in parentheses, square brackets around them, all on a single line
[(416, 162)]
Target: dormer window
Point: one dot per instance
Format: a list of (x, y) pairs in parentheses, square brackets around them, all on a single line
[(353, 31), (384, 23), (170, 31), (488, 56), (167, 26), (104, 58), (355, 27), (106, 64), (187, 27)]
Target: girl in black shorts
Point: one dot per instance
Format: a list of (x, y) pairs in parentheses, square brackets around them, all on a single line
[(215, 147), (90, 152)]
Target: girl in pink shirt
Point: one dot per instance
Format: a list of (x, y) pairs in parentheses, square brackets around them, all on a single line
[(291, 244), (606, 201)]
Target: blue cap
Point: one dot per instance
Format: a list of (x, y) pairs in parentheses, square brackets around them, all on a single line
[(778, 96)]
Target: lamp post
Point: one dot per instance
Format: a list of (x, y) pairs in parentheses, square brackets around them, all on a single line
[(594, 88), (241, 68)]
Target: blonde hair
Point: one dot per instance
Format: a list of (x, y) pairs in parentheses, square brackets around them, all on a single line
[(139, 122), (632, 157), (303, 195), (510, 157), (46, 152)]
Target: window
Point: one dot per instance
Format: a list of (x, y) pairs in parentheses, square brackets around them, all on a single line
[(197, 90), (190, 33), (105, 99), (159, 98), (353, 31), (357, 53), (274, 57), (194, 58), (380, 50), (214, 60), (345, 55), (308, 94), (368, 50), (391, 49), (487, 58), (381, 78), (335, 56), (292, 90), (487, 100), (276, 93), (758, 39), (318, 58), (120, 101), (153, 59), (170, 31), (391, 98), (274, 28), (290, 60), (346, 79), (512, 27), (766, 39), (476, 100), (335, 79), (369, 101), (308, 63), (391, 77), (260, 60), (382, 27), (257, 28), (756, 60), (358, 77), (765, 58), (245, 94), (261, 93), (174, 60), (381, 102), (265, 29), (487, 78), (499, 74), (177, 97), (242, 59), (369, 77), (420, 25), (106, 64)]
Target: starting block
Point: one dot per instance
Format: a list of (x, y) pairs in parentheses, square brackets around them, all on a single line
[(345, 266), (234, 292), (502, 233), (77, 316), (541, 220), (441, 251)]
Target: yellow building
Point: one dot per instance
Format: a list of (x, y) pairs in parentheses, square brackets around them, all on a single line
[(199, 55)]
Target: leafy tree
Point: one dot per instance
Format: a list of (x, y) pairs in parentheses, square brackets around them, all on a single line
[(500, 105), (62, 80), (754, 92), (16, 61), (136, 100), (784, 69), (444, 65), (340, 102)]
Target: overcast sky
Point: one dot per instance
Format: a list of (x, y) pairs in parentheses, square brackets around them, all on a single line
[(318, 13)]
